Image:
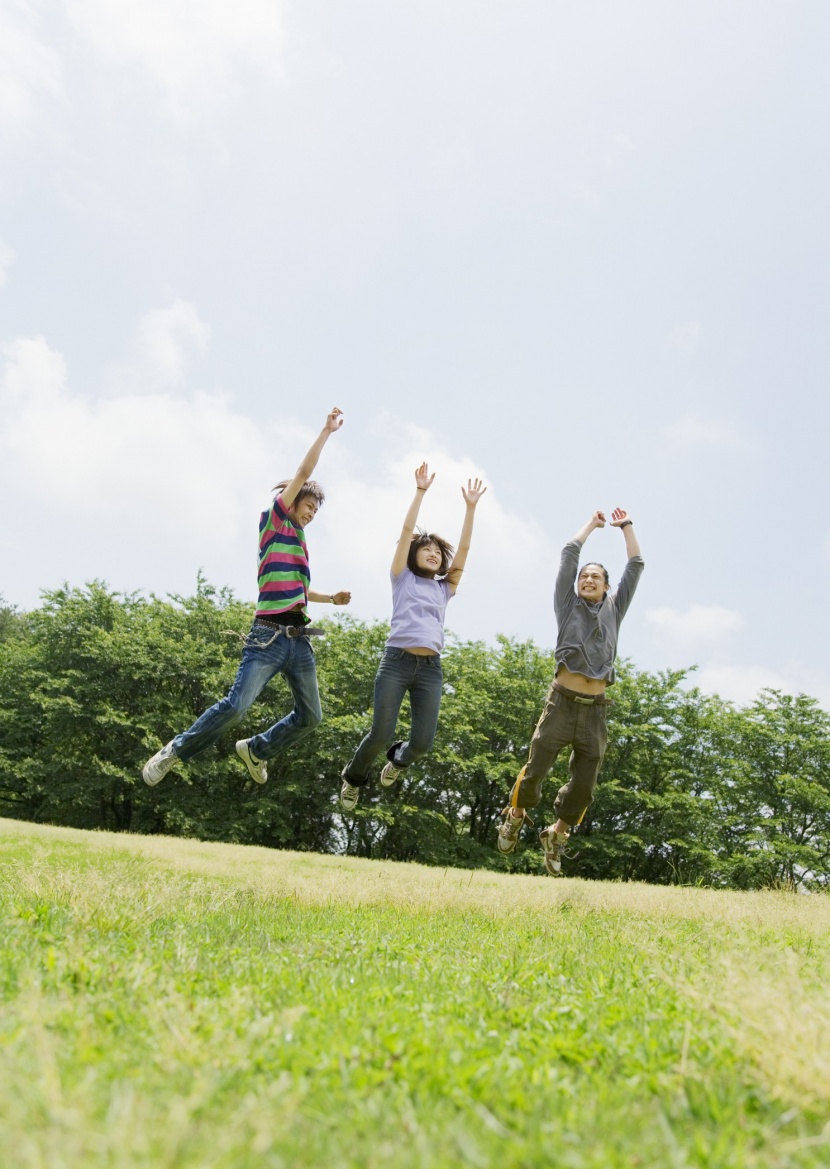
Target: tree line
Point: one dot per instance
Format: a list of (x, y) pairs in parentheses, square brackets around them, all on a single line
[(693, 789)]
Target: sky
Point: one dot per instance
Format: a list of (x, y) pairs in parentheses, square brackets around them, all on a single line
[(580, 250)]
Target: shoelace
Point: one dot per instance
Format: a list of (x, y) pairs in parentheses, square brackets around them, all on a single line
[(514, 819)]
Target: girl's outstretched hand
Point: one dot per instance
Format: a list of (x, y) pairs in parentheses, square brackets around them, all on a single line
[(423, 479), (473, 491)]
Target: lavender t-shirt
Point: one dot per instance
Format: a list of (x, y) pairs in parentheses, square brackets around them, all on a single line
[(419, 605)]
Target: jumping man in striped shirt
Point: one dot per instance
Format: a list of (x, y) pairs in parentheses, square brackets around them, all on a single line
[(279, 639)]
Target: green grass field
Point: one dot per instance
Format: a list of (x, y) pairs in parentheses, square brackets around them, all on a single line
[(171, 1003)]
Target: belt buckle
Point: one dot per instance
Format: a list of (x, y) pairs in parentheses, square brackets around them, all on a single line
[(585, 701)]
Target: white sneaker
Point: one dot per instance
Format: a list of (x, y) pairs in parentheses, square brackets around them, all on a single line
[(553, 842), (156, 768), (390, 773), (257, 768), (349, 794)]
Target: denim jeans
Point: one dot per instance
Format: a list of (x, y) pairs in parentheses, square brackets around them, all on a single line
[(399, 672), (264, 656)]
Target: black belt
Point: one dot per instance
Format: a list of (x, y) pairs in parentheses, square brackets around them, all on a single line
[(290, 630), (583, 699)]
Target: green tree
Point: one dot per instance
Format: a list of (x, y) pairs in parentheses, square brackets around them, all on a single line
[(692, 788)]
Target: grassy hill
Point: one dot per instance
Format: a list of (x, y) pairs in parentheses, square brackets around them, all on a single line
[(175, 1004)]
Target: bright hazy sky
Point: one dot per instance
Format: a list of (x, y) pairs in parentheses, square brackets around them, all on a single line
[(578, 249)]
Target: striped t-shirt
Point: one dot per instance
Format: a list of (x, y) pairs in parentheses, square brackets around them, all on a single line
[(283, 575)]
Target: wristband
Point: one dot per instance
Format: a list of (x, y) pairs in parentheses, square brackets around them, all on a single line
[(625, 524)]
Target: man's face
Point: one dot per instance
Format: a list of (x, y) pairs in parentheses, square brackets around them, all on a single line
[(591, 584), (304, 512)]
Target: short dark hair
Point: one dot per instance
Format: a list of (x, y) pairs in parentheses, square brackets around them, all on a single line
[(596, 564), (310, 487), (420, 540)]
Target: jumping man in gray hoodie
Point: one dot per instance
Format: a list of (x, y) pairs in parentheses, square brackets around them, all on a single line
[(588, 619)]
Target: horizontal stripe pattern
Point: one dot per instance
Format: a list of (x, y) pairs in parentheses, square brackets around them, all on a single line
[(283, 576)]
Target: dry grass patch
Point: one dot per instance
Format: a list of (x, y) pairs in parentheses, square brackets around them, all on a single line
[(314, 879)]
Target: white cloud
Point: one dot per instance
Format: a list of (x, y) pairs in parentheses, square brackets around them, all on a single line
[(698, 622), (143, 489), (34, 374), (159, 456), (684, 338), (742, 684), (376, 502), (195, 55), (694, 430), (164, 337), (621, 145), (6, 257), (29, 69)]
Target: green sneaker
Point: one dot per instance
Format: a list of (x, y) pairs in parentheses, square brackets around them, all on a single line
[(552, 843), (510, 829), (390, 773), (349, 794)]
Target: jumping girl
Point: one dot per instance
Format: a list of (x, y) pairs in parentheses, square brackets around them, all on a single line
[(425, 574)]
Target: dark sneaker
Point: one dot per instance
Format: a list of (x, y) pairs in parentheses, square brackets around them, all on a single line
[(510, 830), (553, 842), (156, 768), (349, 794), (257, 768), (390, 773)]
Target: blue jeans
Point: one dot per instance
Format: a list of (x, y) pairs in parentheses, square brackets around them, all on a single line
[(400, 671), (264, 656)]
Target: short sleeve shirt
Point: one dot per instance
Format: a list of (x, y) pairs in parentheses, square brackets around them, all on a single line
[(283, 578), (419, 606)]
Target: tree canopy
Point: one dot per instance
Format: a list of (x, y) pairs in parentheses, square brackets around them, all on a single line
[(693, 789)]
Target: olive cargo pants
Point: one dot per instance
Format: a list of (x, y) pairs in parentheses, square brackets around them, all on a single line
[(568, 720)]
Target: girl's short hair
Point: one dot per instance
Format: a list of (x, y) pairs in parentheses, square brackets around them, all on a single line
[(420, 540), (310, 487)]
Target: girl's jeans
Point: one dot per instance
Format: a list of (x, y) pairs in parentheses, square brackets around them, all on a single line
[(264, 656), (400, 671)]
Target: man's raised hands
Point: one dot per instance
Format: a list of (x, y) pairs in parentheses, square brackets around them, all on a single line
[(619, 517)]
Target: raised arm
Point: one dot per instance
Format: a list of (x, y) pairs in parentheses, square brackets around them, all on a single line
[(472, 494), (306, 468), (564, 596), (423, 482), (621, 519), (633, 566), (597, 520)]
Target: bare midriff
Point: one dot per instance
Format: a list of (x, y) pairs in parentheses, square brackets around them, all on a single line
[(420, 651), (577, 682)]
